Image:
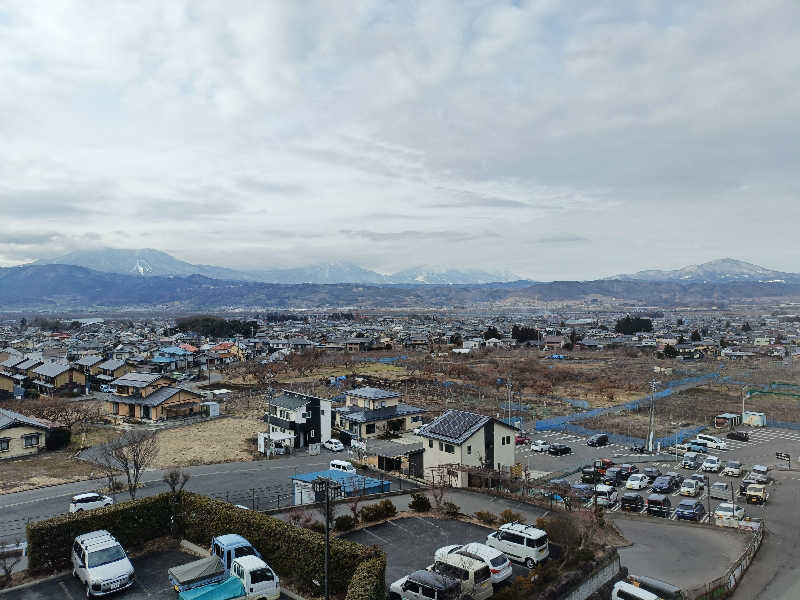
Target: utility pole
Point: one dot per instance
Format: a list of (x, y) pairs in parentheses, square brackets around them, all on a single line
[(269, 422), (508, 397), (651, 426)]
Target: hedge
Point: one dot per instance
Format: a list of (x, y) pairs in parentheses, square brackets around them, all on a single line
[(295, 553), (133, 523), (368, 582)]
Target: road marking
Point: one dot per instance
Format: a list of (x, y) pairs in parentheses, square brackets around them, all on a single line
[(427, 522), (375, 536), (400, 527), (67, 593)]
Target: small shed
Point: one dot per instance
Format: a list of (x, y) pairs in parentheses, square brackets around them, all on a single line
[(210, 408), (279, 442), (351, 485), (727, 420), (754, 419)]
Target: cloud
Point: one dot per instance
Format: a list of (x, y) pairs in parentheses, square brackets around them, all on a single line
[(412, 235), (561, 238)]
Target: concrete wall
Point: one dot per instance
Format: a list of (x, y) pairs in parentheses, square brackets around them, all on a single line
[(596, 579)]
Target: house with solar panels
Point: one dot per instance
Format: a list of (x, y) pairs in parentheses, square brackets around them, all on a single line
[(459, 440), (369, 412)]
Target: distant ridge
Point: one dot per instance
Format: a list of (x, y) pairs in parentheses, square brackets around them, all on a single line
[(715, 271), (147, 262)]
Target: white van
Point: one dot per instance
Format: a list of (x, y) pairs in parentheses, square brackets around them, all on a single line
[(627, 591), (100, 563), (473, 573), (342, 465), (606, 495), (521, 543), (711, 441)]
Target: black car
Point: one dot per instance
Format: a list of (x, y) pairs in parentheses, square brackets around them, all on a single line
[(614, 476), (652, 472), (590, 475), (637, 447), (742, 436), (628, 470), (677, 478), (599, 439), (659, 505), (664, 485), (631, 502), (559, 449)]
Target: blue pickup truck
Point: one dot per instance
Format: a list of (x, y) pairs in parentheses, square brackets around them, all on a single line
[(216, 567)]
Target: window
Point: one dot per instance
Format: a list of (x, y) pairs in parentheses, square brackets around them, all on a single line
[(370, 428), (430, 443), (410, 586), (502, 441), (482, 574), (508, 439), (441, 446), (115, 408), (469, 449), (416, 419), (623, 595), (449, 448), (4, 444), (428, 592), (513, 538), (322, 412), (31, 440)]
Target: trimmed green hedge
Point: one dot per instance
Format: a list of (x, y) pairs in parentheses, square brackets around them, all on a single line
[(295, 553), (368, 580), (133, 523)]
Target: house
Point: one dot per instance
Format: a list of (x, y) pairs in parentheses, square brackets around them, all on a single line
[(112, 369), (55, 376), (172, 358), (369, 412), (7, 383), (88, 364), (356, 344), (473, 344), (228, 351), (21, 435), (139, 384), (307, 418), (159, 404), (555, 341), (459, 439), (8, 352)]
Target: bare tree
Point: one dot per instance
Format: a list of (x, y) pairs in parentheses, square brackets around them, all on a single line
[(176, 479), (8, 560), (132, 454)]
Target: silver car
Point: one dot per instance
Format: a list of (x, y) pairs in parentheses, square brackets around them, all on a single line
[(498, 563)]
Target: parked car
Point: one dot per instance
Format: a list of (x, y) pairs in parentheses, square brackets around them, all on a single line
[(659, 505), (614, 476), (523, 543), (623, 590), (637, 448), (333, 445), (631, 502), (637, 481), (689, 488), (699, 478), (590, 475), (540, 446), (652, 472), (582, 492), (498, 563), (471, 571), (100, 563), (690, 461), (751, 479), (425, 585), (663, 485), (756, 494), (677, 478), (733, 468), (598, 439), (521, 438), (699, 448), (89, 501), (215, 568), (690, 510), (726, 510), (741, 436), (721, 490), (249, 577), (698, 442), (559, 449), (602, 464), (762, 471), (628, 470), (712, 441), (605, 495), (712, 464)]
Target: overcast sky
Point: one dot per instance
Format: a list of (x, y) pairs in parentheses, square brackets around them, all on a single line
[(556, 140)]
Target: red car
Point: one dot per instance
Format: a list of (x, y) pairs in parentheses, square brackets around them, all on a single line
[(521, 438)]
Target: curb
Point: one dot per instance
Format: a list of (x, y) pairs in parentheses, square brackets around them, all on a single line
[(23, 586), (192, 548)]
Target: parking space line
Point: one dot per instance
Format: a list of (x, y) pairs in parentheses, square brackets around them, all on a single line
[(64, 589), (400, 527), (376, 536), (427, 523)]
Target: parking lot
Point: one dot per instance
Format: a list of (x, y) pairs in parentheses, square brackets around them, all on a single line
[(410, 543), (151, 581)]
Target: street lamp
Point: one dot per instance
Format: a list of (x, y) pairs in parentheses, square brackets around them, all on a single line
[(323, 485)]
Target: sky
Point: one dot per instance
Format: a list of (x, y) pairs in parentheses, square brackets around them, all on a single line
[(554, 140)]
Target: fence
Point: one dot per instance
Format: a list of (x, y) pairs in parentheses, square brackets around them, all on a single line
[(722, 586)]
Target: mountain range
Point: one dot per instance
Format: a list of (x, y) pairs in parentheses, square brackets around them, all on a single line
[(147, 262), (715, 271)]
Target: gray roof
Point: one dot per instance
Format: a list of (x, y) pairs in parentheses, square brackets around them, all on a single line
[(51, 369), (455, 426), (392, 449), (290, 400), (9, 418), (12, 361), (27, 364), (112, 364), (89, 361), (137, 379), (364, 415), (158, 397), (371, 393)]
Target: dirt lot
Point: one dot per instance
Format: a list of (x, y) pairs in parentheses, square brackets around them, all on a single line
[(49, 468)]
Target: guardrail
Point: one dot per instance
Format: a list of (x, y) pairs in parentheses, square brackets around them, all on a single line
[(722, 586)]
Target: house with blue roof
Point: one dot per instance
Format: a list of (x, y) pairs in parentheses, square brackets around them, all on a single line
[(369, 412), (350, 485), (172, 358)]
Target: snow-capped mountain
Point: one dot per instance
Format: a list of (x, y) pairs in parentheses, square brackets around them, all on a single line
[(715, 271), (148, 262)]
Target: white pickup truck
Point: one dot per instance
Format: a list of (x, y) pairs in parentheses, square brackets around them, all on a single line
[(250, 579)]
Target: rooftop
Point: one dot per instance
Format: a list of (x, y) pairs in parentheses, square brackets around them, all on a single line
[(371, 393), (454, 426)]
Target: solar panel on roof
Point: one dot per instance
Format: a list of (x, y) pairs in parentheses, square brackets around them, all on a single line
[(454, 424)]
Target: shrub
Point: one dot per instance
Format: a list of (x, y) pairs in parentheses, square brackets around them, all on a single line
[(388, 508), (419, 502), (486, 517), (376, 512), (58, 439), (344, 523), (451, 509), (368, 580), (317, 526), (509, 516)]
